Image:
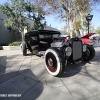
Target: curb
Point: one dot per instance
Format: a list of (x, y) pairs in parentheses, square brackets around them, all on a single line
[(9, 47)]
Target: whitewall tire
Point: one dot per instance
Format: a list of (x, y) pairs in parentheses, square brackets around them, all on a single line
[(54, 61)]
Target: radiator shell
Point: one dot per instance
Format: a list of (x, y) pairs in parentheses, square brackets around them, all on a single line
[(77, 50)]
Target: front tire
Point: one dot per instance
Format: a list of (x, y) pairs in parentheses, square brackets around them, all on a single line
[(89, 54), (54, 61)]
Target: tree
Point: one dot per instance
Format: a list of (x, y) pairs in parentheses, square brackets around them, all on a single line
[(17, 12), (14, 11), (37, 15), (39, 22), (64, 29), (70, 11), (98, 30)]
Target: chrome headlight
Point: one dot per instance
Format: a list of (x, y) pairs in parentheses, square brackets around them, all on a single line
[(68, 51), (84, 48)]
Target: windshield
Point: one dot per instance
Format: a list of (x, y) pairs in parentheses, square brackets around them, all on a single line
[(46, 36), (55, 35), (41, 36)]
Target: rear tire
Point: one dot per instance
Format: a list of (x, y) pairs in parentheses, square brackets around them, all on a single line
[(89, 54), (54, 61), (23, 49)]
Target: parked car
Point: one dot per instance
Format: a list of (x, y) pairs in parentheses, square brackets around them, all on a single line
[(55, 50), (87, 39)]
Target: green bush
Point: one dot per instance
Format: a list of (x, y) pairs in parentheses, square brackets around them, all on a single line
[(14, 44)]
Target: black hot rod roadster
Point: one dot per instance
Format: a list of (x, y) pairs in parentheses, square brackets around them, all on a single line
[(55, 50)]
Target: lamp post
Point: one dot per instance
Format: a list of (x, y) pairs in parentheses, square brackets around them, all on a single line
[(89, 18)]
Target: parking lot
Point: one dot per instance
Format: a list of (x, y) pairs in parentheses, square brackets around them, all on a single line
[(26, 78)]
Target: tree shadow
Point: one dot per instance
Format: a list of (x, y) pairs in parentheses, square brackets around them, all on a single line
[(72, 69), (16, 82)]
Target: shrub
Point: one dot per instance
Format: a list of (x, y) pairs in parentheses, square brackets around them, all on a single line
[(14, 44)]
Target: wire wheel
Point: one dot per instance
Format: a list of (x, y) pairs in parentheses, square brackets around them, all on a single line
[(51, 62)]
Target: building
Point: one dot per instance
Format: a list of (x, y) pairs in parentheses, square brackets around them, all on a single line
[(7, 37)]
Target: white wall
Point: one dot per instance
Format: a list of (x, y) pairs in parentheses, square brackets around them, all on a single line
[(5, 35)]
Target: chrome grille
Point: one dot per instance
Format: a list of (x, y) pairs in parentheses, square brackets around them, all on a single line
[(77, 50)]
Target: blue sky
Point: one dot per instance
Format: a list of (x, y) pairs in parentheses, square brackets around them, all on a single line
[(54, 22)]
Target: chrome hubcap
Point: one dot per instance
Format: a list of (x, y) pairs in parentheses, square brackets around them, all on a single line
[(50, 62)]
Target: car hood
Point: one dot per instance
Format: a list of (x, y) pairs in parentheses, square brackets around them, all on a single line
[(88, 35)]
